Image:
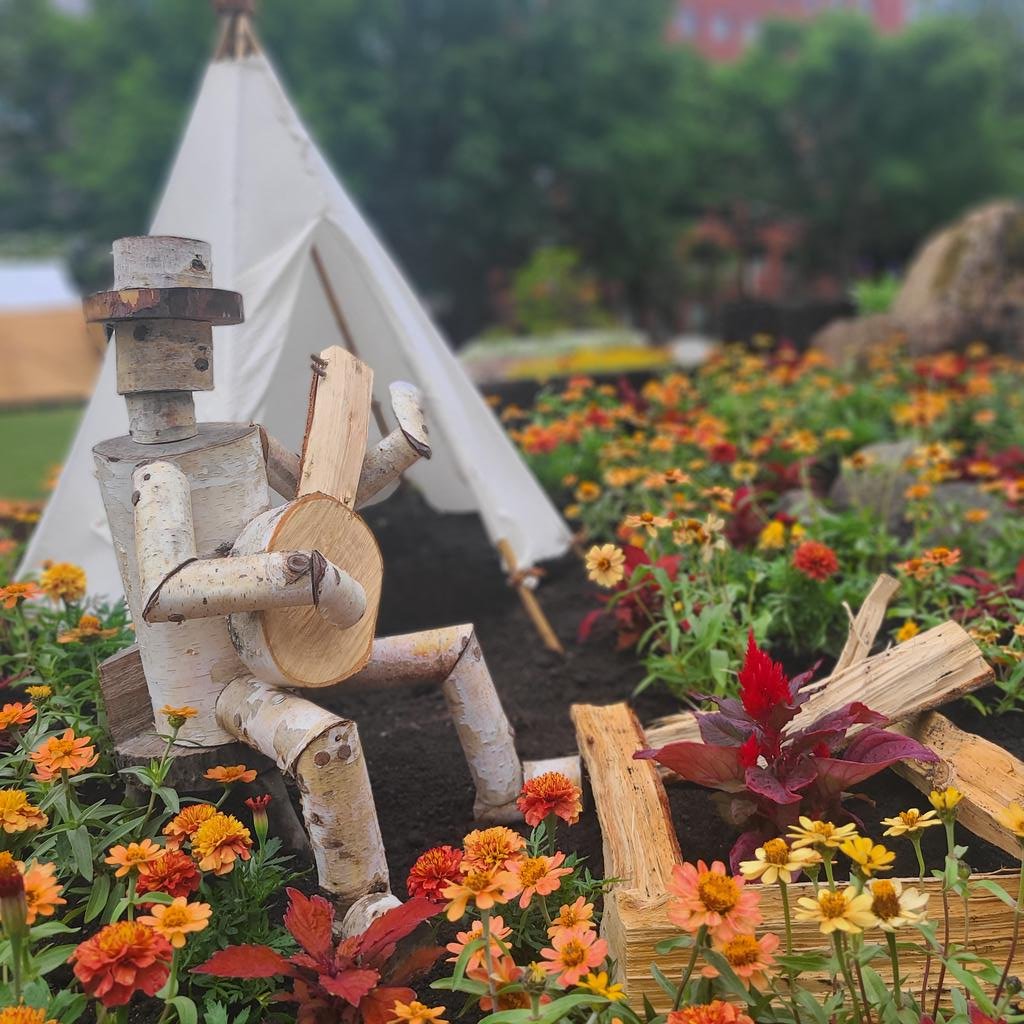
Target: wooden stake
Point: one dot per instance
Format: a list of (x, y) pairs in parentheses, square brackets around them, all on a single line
[(529, 600)]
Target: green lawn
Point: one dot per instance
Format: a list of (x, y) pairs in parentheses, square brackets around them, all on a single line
[(32, 441)]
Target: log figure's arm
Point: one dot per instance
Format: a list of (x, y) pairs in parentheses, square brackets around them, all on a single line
[(391, 457), (178, 585)]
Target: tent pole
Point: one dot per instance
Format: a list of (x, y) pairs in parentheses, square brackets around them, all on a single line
[(343, 328), (529, 599)]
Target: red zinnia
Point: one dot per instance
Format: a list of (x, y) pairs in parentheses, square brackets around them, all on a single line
[(120, 960), (763, 683), (173, 872), (434, 871), (815, 560), (550, 793)]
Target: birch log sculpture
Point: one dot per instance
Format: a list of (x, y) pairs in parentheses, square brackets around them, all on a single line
[(233, 599)]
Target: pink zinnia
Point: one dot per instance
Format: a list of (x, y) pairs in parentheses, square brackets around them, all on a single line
[(709, 897), (573, 952)]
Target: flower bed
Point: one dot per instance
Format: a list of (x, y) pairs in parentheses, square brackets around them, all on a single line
[(768, 491)]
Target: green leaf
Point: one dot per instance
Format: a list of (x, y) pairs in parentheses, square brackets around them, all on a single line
[(50, 959), (667, 946), (665, 983), (186, 1009), (97, 897), (81, 848), (992, 886), (801, 963), (552, 1012)]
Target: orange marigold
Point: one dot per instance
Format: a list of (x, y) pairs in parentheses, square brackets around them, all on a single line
[(433, 871), (63, 581), (68, 753), (120, 960), (131, 857), (24, 1015), (17, 814), (490, 848), (16, 714), (219, 841), (715, 1012), (815, 560), (182, 827), (42, 890), (550, 793), (173, 872)]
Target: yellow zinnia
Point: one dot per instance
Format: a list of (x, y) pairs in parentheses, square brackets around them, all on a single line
[(844, 911)]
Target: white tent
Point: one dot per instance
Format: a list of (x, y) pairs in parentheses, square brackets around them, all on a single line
[(249, 179)]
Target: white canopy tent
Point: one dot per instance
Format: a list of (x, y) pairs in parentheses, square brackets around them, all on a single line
[(249, 179)]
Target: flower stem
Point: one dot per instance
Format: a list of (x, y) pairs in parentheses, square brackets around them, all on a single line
[(485, 928), (844, 967), (945, 952), (890, 938), (698, 941), (785, 913), (920, 859)]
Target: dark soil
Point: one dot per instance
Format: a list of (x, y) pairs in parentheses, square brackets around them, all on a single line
[(441, 570)]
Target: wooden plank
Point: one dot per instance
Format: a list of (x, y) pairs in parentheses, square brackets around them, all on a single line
[(639, 839), (988, 776), (864, 628), (641, 924), (337, 427), (931, 669)]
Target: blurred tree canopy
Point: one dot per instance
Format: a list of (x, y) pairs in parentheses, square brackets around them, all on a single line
[(475, 132)]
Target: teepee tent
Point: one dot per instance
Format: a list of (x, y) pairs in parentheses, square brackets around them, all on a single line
[(249, 179)]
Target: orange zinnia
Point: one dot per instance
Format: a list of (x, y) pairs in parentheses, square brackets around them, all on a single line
[(120, 960), (173, 872), (89, 628), (578, 914), (499, 933), (68, 753), (15, 592), (183, 825), (227, 774), (550, 793), (715, 1012), (42, 890), (175, 920), (17, 814), (131, 857), (16, 714), (707, 896), (539, 876), (219, 841), (485, 889), (490, 848)]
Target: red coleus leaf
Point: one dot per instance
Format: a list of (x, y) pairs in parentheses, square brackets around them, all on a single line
[(245, 962), (351, 985), (377, 943), (764, 783), (413, 966), (707, 765), (310, 920), (378, 1006), (586, 626), (831, 728), (870, 752)]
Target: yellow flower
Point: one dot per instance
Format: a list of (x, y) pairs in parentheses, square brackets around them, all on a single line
[(909, 629), (910, 823), (177, 919), (40, 692), (743, 469), (1011, 818), (17, 814), (945, 800), (893, 906), (776, 862), (844, 911), (587, 492), (63, 581), (868, 857), (605, 564), (976, 515), (598, 984), (646, 521), (820, 834), (772, 536), (416, 1013)]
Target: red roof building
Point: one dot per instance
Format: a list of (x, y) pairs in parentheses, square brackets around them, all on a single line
[(721, 29)]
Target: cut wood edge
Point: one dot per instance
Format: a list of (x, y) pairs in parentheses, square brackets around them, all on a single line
[(866, 624)]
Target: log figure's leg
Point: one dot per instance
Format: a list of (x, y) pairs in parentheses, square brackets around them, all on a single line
[(452, 657), (322, 752)]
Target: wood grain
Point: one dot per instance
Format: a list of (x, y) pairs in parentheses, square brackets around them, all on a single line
[(864, 628)]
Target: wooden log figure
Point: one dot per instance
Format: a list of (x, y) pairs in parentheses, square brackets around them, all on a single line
[(235, 602)]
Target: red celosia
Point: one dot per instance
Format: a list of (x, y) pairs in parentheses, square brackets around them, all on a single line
[(173, 872), (815, 560), (120, 960), (434, 871), (763, 683)]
